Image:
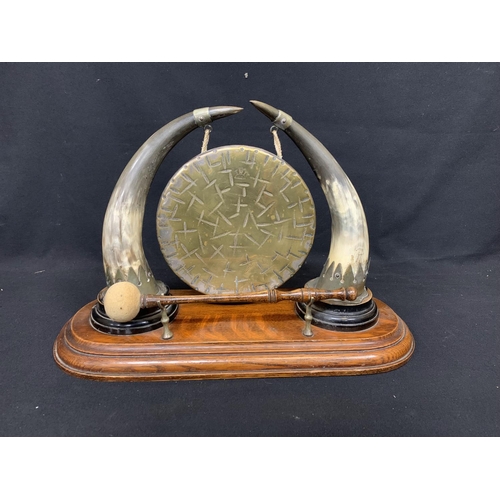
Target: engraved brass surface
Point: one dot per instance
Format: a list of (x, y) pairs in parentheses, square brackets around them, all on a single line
[(235, 219)]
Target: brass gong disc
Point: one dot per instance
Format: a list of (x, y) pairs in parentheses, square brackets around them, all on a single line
[(235, 219)]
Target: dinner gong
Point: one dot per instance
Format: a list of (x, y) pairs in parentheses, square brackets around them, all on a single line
[(234, 223)]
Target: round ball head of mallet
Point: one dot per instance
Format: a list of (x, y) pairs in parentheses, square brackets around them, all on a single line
[(122, 301)]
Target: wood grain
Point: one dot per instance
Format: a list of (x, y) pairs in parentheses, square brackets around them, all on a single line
[(232, 341)]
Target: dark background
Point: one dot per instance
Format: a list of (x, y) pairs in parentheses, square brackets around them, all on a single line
[(420, 142)]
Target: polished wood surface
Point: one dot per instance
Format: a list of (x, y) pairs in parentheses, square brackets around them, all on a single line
[(232, 341)]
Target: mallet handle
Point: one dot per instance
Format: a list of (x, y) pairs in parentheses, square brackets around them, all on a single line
[(299, 295)]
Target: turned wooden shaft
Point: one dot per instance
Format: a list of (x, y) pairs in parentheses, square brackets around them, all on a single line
[(122, 301), (299, 295)]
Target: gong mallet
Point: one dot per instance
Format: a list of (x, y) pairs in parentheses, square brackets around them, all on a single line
[(123, 301)]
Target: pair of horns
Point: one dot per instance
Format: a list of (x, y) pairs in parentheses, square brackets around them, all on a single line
[(123, 252)]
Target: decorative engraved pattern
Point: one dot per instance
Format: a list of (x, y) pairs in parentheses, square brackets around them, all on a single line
[(235, 219)]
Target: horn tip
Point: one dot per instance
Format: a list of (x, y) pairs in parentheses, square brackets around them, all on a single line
[(270, 111), (217, 112)]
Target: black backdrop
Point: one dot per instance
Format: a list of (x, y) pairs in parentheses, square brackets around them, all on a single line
[(420, 142)]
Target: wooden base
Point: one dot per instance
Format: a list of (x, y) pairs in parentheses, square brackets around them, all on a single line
[(232, 341)]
